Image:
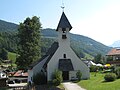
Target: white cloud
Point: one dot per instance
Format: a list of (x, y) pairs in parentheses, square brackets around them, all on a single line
[(103, 26)]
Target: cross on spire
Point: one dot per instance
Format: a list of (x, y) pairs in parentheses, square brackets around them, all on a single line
[(62, 6)]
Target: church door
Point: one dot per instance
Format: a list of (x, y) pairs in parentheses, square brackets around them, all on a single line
[(65, 75)]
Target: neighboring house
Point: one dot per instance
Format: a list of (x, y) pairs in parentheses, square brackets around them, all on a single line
[(114, 53), (60, 57), (89, 63)]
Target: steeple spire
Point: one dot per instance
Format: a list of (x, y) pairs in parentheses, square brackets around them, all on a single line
[(64, 22)]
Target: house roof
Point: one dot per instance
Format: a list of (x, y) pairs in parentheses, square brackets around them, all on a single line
[(48, 56), (88, 62), (65, 65), (64, 23), (20, 73), (114, 51)]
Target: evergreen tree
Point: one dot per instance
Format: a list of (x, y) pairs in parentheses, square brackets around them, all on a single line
[(98, 58), (29, 42), (4, 54)]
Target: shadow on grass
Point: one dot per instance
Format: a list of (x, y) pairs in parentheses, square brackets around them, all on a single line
[(47, 87), (107, 81), (75, 81)]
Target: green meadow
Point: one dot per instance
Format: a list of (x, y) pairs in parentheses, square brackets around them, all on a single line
[(97, 83), (12, 56)]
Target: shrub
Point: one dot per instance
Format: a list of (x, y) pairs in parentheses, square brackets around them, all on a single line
[(57, 77), (39, 79), (79, 75), (110, 77), (112, 68), (56, 82), (117, 71), (93, 68)]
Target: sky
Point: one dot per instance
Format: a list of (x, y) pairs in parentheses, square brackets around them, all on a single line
[(97, 19)]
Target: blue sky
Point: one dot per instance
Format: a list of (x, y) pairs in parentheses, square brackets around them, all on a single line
[(97, 19)]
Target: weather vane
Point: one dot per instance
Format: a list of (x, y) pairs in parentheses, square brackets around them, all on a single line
[(62, 6)]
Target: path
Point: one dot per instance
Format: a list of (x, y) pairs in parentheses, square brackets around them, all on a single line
[(72, 86)]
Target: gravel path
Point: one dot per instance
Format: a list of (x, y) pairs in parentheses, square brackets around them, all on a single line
[(72, 86)]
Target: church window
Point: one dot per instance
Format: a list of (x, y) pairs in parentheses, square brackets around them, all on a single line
[(64, 36), (64, 30), (64, 55)]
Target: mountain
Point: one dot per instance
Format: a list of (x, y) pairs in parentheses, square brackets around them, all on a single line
[(83, 46), (116, 44), (80, 43), (7, 26)]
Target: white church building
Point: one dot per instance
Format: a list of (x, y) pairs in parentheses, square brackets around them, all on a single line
[(60, 57)]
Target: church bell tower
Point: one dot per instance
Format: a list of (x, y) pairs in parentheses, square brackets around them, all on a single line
[(63, 29)]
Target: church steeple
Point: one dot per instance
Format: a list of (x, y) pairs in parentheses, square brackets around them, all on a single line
[(63, 29), (64, 23)]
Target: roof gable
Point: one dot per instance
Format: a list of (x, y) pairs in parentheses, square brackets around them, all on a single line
[(64, 22), (48, 55)]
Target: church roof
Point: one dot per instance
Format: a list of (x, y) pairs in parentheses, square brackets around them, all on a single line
[(48, 55), (65, 65), (64, 22)]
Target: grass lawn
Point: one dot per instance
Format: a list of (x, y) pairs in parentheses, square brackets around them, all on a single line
[(97, 83), (12, 56)]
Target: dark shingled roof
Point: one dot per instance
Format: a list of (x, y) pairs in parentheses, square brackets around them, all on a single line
[(64, 23), (65, 65), (50, 53)]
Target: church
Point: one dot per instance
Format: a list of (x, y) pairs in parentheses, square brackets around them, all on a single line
[(60, 56)]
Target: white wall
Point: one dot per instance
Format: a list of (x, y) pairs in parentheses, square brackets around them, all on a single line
[(77, 63), (61, 41), (36, 69), (30, 75), (72, 74), (64, 48)]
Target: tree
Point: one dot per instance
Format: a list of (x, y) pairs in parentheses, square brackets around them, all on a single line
[(29, 42), (98, 58), (4, 54), (109, 58)]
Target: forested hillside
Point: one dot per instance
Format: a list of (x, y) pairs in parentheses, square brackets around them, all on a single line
[(8, 41), (84, 47), (7, 26)]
